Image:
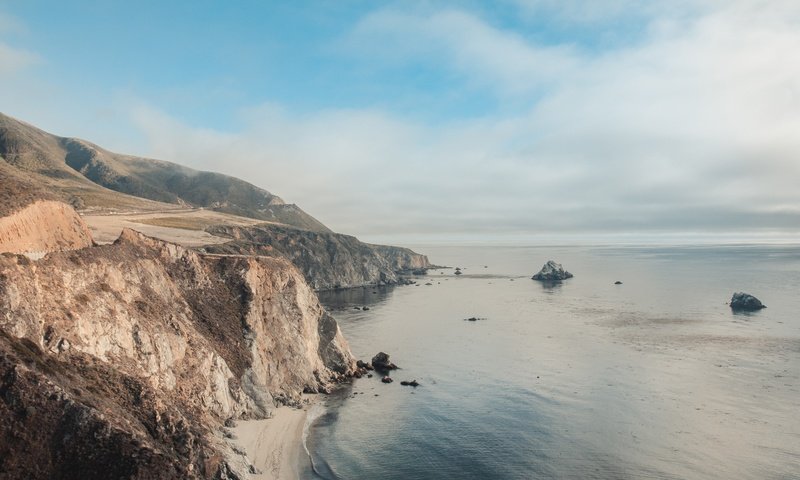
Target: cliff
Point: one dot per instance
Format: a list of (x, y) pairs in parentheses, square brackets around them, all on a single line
[(327, 260), (124, 360), (43, 226)]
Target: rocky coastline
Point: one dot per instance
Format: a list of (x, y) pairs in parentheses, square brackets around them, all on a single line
[(327, 260), (128, 359)]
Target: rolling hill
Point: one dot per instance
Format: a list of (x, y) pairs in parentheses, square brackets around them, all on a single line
[(92, 178)]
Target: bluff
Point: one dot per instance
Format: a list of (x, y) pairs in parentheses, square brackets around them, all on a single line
[(327, 260), (88, 176), (124, 360)]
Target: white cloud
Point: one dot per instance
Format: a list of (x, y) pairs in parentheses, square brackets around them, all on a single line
[(693, 128), (467, 44), (13, 60)]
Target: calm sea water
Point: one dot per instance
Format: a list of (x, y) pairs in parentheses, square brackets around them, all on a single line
[(654, 378)]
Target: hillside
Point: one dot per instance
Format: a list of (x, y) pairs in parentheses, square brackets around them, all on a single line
[(125, 360), (92, 178), (327, 260)]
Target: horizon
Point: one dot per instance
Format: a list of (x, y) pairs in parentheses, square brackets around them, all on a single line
[(446, 122)]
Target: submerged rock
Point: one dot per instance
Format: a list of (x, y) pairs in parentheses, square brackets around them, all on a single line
[(412, 383), (617, 283), (745, 301), (552, 272)]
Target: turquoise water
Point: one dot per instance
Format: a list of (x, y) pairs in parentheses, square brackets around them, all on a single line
[(654, 378)]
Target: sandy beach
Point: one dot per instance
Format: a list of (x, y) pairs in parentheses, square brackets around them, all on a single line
[(275, 446)]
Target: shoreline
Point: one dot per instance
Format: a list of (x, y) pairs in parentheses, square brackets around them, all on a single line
[(275, 446)]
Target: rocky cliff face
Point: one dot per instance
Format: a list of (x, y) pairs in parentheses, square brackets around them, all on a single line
[(328, 260), (43, 226), (136, 352)]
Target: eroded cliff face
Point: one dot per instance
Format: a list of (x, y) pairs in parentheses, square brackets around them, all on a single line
[(41, 227), (155, 345), (328, 260)]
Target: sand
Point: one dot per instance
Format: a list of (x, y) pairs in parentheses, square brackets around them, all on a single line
[(274, 446)]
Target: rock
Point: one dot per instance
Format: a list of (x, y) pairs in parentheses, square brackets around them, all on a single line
[(329, 259), (369, 375), (387, 379), (429, 284), (381, 362), (471, 319), (365, 308), (552, 272), (617, 283), (458, 271), (230, 423), (412, 383), (745, 301)]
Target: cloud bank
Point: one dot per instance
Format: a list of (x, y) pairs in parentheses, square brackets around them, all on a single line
[(694, 128), (692, 124)]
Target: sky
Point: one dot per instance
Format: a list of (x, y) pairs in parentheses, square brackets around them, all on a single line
[(415, 121)]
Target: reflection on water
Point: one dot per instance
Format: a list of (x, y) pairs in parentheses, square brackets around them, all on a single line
[(654, 378)]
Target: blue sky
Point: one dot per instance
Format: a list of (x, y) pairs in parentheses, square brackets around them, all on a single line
[(415, 119)]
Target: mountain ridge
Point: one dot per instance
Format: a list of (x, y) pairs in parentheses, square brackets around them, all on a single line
[(91, 177)]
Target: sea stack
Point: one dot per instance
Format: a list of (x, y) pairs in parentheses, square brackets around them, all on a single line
[(552, 272), (746, 302)]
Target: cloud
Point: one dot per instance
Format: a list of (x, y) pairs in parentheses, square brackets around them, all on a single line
[(471, 47), (693, 128), (13, 60)]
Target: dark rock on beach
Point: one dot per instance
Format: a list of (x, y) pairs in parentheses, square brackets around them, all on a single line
[(746, 302), (617, 283), (552, 272), (381, 362), (387, 379), (412, 383)]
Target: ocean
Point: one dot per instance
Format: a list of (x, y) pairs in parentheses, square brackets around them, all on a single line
[(654, 378)]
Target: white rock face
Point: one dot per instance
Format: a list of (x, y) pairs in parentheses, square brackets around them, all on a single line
[(224, 334)]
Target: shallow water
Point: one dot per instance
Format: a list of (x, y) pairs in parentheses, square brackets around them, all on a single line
[(654, 378)]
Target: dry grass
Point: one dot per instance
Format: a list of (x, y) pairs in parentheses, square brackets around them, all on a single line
[(184, 223)]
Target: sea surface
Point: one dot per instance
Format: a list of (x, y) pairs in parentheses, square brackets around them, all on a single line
[(655, 378)]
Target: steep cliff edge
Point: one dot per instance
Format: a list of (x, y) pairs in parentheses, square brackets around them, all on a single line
[(328, 260), (43, 226), (125, 359)]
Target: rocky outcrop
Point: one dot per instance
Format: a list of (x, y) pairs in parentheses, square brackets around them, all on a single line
[(141, 349), (381, 362), (328, 260), (43, 226), (746, 302), (552, 272)]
